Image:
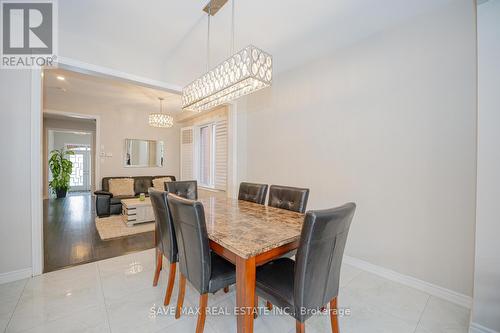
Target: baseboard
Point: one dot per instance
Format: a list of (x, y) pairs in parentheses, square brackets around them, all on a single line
[(432, 289), (476, 328), (15, 275)]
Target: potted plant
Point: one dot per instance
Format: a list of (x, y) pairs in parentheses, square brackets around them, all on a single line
[(61, 168)]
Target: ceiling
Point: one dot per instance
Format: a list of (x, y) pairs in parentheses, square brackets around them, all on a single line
[(79, 92), (171, 34), (166, 40)]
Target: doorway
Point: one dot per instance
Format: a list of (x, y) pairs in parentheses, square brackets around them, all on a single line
[(73, 106), (80, 144), (39, 88), (66, 219)]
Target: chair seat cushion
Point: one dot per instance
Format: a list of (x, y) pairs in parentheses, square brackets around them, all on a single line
[(223, 273), (275, 282)]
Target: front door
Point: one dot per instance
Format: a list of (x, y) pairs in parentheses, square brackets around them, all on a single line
[(80, 177)]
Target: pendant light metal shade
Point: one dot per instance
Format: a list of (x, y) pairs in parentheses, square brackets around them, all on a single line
[(161, 119), (243, 73)]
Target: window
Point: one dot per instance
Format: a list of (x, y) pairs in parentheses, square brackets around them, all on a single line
[(204, 150), (187, 158), (206, 157), (79, 179), (220, 139)]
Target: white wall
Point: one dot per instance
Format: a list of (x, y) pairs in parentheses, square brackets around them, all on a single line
[(486, 309), (388, 123), (15, 221), (63, 138), (69, 123), (126, 122)]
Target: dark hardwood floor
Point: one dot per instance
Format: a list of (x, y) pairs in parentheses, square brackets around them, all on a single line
[(71, 238)]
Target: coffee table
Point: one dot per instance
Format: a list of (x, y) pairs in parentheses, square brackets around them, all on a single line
[(135, 211)]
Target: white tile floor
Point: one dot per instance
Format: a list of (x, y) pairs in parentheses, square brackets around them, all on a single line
[(116, 295)]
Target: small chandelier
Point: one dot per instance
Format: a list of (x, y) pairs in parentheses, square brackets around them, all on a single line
[(243, 73), (161, 119)]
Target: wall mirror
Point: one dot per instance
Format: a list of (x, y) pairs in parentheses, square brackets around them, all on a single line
[(143, 153)]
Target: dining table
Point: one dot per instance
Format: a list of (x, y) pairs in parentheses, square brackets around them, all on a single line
[(249, 235)]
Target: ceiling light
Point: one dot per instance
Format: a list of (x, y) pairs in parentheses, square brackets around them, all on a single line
[(243, 73), (161, 119), (60, 78)]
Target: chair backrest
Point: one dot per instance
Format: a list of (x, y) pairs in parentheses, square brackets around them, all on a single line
[(187, 189), (290, 198), (165, 234), (192, 239), (319, 256), (253, 192)]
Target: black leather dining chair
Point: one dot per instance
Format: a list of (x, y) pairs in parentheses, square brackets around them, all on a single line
[(312, 280), (253, 192), (185, 188), (290, 198), (165, 242), (205, 270)]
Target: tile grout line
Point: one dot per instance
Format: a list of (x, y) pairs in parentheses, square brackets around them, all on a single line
[(225, 298), (103, 297), (45, 321), (422, 314), (387, 281), (17, 304), (354, 278)]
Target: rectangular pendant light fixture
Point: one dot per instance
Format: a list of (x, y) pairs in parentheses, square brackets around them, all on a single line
[(243, 73)]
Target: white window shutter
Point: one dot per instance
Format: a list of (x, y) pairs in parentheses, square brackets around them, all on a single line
[(187, 153), (221, 154)]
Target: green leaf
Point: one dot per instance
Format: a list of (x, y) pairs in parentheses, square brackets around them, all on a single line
[(61, 169)]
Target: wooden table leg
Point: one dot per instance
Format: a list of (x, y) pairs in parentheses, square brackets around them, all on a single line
[(245, 293)]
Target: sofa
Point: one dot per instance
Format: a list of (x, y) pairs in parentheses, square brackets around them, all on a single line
[(107, 204)]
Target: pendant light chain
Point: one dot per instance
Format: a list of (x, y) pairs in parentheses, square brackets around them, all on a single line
[(208, 35), (232, 28), (242, 73)]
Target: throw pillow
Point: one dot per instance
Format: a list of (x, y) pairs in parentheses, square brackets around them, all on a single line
[(159, 183), (122, 187)]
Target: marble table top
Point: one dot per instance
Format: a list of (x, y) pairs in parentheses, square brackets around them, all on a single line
[(248, 229)]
